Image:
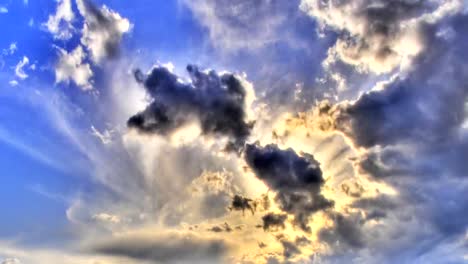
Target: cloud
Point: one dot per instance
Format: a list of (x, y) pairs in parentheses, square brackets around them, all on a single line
[(33, 152), (408, 132), (16, 254), (223, 228), (378, 36), (101, 36), (274, 221), (289, 249), (242, 24), (3, 10), (240, 203), (107, 218), (60, 24), (421, 95), (163, 248), (102, 31), (11, 49), (217, 102), (11, 261), (105, 137), (19, 69), (344, 231), (296, 179), (72, 67)]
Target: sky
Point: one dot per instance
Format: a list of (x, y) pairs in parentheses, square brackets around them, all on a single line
[(233, 131)]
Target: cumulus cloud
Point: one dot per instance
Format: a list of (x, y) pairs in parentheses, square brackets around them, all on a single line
[(72, 67), (102, 31), (408, 131), (218, 102), (296, 179), (422, 96), (19, 69), (378, 36), (100, 39), (60, 24), (163, 248)]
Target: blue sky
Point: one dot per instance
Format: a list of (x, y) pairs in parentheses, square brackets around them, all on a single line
[(341, 126)]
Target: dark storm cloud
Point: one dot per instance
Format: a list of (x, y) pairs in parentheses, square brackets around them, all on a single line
[(216, 101), (171, 248), (289, 249), (414, 133), (296, 179), (274, 221), (345, 231), (221, 228), (284, 169), (426, 106), (383, 202), (302, 241), (240, 203)]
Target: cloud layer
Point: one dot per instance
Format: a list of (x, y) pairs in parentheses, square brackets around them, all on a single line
[(191, 167)]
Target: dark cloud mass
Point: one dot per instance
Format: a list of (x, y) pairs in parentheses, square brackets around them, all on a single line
[(169, 248), (296, 179), (413, 132), (274, 221), (240, 203), (345, 231), (289, 249), (431, 100), (217, 102)]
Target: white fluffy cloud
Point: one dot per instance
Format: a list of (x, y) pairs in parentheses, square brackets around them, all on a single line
[(378, 36), (100, 39), (19, 69), (72, 67), (102, 31), (60, 24)]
